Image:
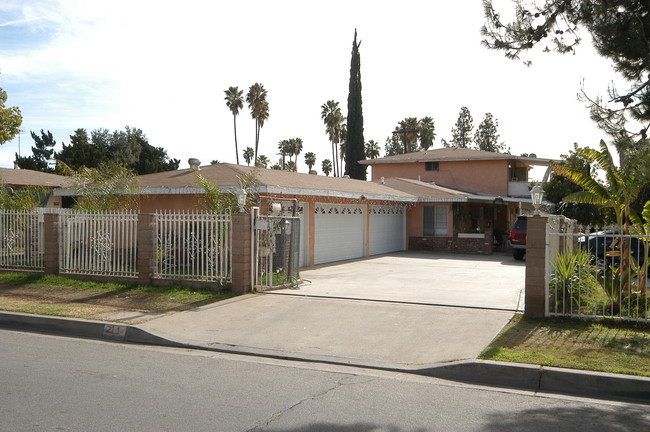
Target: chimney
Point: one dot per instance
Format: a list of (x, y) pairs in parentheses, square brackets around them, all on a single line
[(195, 164)]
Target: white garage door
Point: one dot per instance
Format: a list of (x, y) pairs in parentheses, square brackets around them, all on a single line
[(387, 229), (339, 232)]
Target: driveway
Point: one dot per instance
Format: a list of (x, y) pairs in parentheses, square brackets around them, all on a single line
[(494, 282), (404, 310)]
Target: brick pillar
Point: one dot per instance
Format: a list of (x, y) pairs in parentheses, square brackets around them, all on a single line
[(146, 258), (535, 266), (242, 243), (51, 247)]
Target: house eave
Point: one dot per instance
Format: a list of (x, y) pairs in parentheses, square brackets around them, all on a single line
[(264, 189)]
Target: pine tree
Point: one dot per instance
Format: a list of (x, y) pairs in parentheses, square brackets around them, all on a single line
[(618, 31), (461, 133), (486, 137), (354, 150), (42, 151)]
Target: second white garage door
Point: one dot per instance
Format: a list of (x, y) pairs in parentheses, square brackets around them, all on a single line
[(387, 229), (339, 232)]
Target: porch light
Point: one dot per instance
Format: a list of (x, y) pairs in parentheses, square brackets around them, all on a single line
[(241, 199), (536, 195)]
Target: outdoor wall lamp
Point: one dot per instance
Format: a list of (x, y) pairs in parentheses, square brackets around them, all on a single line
[(241, 199), (536, 195)]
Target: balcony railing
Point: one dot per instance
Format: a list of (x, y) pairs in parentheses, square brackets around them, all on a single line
[(519, 189)]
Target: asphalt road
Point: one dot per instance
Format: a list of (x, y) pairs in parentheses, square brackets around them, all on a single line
[(55, 383)]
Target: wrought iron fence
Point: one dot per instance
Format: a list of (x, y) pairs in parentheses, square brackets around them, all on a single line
[(194, 246), (99, 243), (277, 252), (21, 240), (598, 271)]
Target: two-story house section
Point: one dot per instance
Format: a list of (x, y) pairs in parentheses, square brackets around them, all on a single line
[(467, 199), (473, 171)]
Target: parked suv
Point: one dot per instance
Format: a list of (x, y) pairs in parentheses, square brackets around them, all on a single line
[(517, 238)]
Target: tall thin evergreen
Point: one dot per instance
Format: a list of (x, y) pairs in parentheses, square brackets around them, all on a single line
[(355, 143)]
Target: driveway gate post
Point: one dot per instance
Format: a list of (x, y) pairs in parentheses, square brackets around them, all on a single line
[(242, 243), (535, 303)]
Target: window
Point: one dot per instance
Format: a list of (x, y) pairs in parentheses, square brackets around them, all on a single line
[(435, 221), (432, 166)]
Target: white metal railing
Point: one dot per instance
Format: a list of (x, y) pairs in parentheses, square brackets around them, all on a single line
[(99, 243), (21, 240), (598, 272), (519, 189), (194, 246)]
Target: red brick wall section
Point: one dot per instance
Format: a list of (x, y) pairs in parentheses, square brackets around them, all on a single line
[(483, 246), (241, 253), (51, 233), (535, 304)]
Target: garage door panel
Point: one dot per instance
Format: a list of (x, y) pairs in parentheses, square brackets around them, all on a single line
[(339, 232), (387, 229)]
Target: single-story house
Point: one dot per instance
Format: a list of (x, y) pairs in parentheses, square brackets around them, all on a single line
[(445, 199), (24, 178)]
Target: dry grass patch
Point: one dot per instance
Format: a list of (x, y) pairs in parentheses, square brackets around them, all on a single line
[(60, 296)]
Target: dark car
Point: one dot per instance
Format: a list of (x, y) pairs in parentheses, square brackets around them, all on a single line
[(605, 246), (517, 237)]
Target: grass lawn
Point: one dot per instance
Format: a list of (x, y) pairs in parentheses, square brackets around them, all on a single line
[(61, 296), (606, 346)]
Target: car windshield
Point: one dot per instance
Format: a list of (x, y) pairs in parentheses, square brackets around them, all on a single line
[(520, 224)]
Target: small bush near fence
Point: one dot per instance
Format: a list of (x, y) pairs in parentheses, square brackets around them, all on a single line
[(601, 273)]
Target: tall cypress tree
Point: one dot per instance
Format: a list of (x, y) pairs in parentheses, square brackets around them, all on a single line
[(354, 149)]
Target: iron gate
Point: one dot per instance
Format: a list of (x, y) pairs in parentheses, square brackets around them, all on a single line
[(276, 251)]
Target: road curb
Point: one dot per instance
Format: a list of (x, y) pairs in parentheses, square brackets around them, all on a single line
[(538, 379), (544, 379), (82, 329)]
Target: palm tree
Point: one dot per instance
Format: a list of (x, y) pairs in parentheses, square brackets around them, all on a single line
[(310, 159), (333, 119), (249, 154), (427, 130), (284, 147), (296, 148), (408, 129), (618, 192), (235, 101), (326, 166), (291, 166), (262, 161), (259, 106), (372, 149)]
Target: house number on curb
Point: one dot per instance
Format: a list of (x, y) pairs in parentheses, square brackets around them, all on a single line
[(114, 331)]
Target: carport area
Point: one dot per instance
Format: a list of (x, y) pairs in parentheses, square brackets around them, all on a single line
[(430, 278)]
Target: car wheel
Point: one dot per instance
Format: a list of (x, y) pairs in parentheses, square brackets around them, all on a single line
[(518, 254)]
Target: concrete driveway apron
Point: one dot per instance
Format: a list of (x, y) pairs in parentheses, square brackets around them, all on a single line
[(377, 312)]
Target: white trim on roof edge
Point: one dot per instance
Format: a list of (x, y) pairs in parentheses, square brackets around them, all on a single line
[(188, 190)]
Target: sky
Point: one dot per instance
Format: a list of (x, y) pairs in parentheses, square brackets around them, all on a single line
[(162, 66)]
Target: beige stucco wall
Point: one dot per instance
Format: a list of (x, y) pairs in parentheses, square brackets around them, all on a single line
[(489, 176)]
